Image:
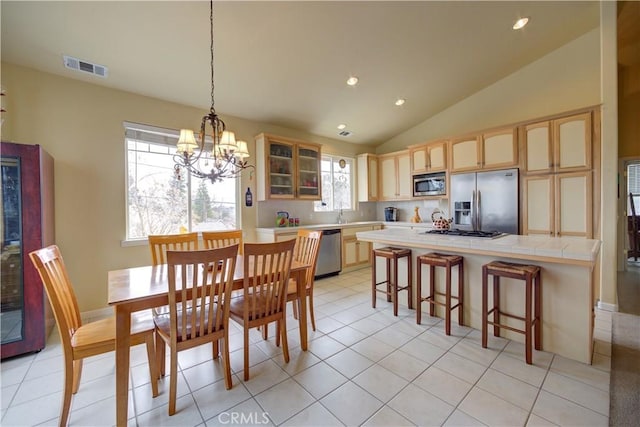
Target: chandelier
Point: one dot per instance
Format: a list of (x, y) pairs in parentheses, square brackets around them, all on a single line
[(226, 159)]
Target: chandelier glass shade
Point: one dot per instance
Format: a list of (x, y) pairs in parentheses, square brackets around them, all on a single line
[(225, 158)]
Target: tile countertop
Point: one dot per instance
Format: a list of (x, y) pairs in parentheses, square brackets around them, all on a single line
[(552, 249), (425, 225)]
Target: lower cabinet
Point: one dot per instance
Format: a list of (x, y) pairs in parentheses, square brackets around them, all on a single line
[(354, 252), (558, 204)]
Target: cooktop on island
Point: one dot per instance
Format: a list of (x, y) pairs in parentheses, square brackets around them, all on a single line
[(467, 233)]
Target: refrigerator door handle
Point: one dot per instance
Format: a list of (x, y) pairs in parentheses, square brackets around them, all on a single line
[(474, 213), (479, 211)]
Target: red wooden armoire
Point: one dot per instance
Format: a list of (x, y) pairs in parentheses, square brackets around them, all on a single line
[(27, 209)]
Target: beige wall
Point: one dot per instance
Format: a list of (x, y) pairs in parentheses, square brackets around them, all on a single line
[(564, 80), (80, 124)]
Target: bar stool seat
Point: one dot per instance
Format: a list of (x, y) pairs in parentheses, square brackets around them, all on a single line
[(391, 256), (433, 260), (532, 276)]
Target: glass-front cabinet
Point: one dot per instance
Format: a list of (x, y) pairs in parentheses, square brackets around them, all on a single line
[(281, 169), (26, 224), (287, 168), (308, 172)]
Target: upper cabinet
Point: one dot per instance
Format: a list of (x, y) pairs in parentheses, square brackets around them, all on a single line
[(395, 176), (367, 177), (561, 145), (491, 150), (287, 169), (430, 157)]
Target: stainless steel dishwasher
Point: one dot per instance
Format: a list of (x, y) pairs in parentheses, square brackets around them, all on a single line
[(330, 254)]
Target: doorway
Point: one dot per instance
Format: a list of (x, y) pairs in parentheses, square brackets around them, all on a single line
[(629, 278)]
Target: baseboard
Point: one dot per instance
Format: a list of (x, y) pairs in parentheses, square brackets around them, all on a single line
[(606, 306)]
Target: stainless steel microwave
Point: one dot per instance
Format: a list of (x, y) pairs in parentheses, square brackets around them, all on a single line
[(430, 184)]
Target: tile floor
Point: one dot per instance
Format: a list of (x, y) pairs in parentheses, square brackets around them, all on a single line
[(364, 367)]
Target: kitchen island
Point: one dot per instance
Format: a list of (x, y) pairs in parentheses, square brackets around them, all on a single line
[(567, 280)]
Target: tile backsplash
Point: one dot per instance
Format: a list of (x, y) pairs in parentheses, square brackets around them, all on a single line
[(365, 211)]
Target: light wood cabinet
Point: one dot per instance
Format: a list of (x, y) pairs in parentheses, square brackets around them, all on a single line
[(395, 176), (491, 150), (430, 157), (561, 145), (354, 252), (465, 154), (287, 169), (367, 177), (558, 204)]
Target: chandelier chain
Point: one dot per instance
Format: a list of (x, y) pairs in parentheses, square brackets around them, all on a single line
[(211, 49)]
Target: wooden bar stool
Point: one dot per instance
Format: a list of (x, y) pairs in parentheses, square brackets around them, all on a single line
[(391, 254), (528, 273), (433, 260)]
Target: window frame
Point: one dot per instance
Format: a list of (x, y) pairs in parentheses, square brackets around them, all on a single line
[(335, 158), (169, 137)]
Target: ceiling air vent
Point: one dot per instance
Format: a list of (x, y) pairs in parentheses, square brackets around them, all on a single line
[(345, 133), (84, 66)]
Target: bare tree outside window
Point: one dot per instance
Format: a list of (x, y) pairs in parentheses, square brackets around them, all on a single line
[(337, 184), (160, 202)]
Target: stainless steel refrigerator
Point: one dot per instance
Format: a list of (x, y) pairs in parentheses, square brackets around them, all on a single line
[(485, 201)]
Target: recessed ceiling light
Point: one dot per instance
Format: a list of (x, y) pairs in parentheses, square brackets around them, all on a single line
[(342, 126), (400, 101), (352, 81), (520, 23)]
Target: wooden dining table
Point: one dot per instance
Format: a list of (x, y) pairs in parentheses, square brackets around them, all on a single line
[(141, 288)]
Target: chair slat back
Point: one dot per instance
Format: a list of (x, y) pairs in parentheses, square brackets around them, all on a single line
[(266, 274), (159, 244), (53, 272), (219, 239), (200, 284), (306, 251)]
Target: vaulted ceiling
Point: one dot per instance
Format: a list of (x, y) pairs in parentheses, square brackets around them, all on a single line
[(286, 63)]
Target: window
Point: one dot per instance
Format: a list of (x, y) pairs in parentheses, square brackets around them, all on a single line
[(337, 184), (160, 202), (633, 187)]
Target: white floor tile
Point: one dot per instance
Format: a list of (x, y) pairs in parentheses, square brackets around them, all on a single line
[(424, 376), (312, 416), (577, 392), (387, 417), (509, 388), (404, 365), (347, 335), (284, 400), (564, 413), (421, 407), (460, 367), (349, 363), (443, 385), (581, 372), (491, 409), (263, 376), (373, 349), (320, 379), (351, 404), (459, 418), (380, 382)]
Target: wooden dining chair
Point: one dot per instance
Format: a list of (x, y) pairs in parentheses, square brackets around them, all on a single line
[(84, 340), (306, 251), (218, 239), (210, 272), (266, 274), (159, 244)]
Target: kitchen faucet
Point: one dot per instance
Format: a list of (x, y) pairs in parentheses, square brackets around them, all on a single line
[(340, 218)]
